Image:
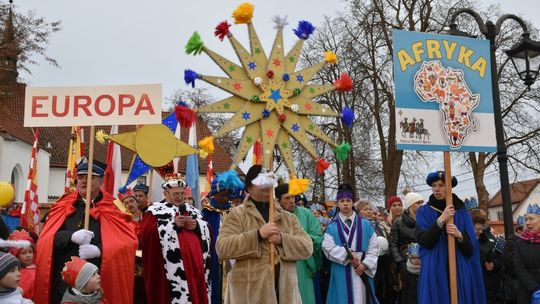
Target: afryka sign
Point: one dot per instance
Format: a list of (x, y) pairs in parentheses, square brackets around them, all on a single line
[(90, 106)]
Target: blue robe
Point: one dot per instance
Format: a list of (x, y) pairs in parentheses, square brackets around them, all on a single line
[(213, 213), (433, 284), (340, 290)]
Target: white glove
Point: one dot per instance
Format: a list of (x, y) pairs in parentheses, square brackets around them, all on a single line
[(89, 251), (82, 237)]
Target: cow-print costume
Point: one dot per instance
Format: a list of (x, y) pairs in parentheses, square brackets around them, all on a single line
[(174, 266)]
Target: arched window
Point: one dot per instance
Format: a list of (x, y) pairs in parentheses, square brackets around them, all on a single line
[(17, 180)]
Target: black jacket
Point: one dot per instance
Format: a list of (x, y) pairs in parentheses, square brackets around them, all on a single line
[(492, 279), (402, 235), (527, 267)]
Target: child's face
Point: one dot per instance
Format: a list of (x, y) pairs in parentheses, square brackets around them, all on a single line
[(93, 284), (11, 279), (26, 256), (415, 260)]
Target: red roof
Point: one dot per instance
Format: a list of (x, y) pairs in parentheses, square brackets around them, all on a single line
[(519, 191), (11, 123)]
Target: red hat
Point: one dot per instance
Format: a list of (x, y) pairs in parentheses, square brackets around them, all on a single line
[(128, 193), (391, 201), (20, 235), (77, 272)]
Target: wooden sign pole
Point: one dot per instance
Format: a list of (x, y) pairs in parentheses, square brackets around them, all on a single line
[(451, 240), (89, 178), (271, 220)]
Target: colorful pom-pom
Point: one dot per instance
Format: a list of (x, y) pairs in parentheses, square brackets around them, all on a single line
[(298, 186), (101, 137), (222, 30), (342, 151), (304, 29), (285, 77), (344, 83), (265, 113), (194, 44), (330, 57), (295, 107), (282, 118), (243, 13), (255, 98), (270, 74), (207, 144), (280, 22), (347, 117), (230, 180), (185, 116), (297, 91), (322, 165), (190, 76)]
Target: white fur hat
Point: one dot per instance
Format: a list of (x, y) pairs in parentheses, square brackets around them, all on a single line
[(411, 198)]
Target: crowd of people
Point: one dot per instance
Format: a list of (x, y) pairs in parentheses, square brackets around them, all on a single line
[(246, 247)]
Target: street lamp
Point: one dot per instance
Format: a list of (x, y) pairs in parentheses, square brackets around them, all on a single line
[(526, 60)]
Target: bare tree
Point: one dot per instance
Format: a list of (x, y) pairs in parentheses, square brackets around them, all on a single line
[(31, 33)]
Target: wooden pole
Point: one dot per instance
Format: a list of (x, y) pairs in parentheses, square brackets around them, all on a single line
[(451, 240), (89, 179), (271, 220)]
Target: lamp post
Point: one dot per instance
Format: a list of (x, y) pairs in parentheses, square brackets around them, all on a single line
[(526, 60)]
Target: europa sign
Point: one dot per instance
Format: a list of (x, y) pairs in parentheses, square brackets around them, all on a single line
[(91, 106), (443, 93)]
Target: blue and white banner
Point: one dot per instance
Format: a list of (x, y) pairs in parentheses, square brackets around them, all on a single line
[(443, 93)]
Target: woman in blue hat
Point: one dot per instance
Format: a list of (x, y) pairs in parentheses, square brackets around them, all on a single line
[(432, 229)]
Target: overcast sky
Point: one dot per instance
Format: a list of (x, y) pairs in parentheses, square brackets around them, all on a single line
[(108, 42)]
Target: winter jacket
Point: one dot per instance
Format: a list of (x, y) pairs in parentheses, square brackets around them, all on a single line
[(527, 267), (401, 236), (492, 278)]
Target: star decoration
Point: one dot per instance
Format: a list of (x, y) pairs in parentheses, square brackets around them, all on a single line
[(311, 127), (263, 96), (232, 68)]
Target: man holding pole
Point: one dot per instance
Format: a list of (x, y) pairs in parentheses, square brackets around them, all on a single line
[(246, 235), (433, 228), (109, 242)]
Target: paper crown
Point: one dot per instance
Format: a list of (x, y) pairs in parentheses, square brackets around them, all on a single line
[(21, 235), (471, 203), (126, 194), (413, 249), (174, 180), (71, 270), (520, 221), (533, 209)]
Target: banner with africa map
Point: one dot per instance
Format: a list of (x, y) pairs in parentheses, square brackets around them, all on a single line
[(443, 93)]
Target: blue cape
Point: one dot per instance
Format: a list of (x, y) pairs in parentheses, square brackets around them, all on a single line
[(433, 284)]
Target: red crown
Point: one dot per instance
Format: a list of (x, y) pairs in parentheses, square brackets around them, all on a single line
[(71, 270), (21, 235), (124, 195)]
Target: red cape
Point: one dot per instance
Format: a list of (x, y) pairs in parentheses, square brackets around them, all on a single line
[(119, 242)]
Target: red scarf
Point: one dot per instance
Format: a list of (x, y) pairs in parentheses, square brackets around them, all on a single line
[(531, 236)]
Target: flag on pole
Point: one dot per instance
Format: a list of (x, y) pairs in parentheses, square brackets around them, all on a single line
[(257, 152), (113, 173), (75, 153), (192, 167), (30, 208)]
